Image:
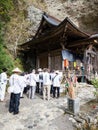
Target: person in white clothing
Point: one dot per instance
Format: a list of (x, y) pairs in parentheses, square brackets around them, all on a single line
[(37, 83), (52, 75), (26, 89), (24, 84), (15, 81), (32, 80), (40, 74), (56, 84), (3, 83), (46, 85)]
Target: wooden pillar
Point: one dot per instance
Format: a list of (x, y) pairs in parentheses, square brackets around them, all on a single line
[(37, 62), (49, 61), (37, 59)]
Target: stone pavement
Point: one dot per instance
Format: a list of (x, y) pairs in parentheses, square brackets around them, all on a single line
[(37, 114)]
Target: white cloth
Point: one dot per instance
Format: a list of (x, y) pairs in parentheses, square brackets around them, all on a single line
[(46, 78), (32, 79), (15, 80), (27, 79), (52, 75), (23, 83), (3, 83), (37, 76), (3, 78), (57, 81), (40, 77)]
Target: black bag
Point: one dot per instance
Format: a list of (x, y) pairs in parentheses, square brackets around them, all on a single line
[(27, 88)]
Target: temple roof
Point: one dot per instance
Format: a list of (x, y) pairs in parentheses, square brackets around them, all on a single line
[(53, 32)]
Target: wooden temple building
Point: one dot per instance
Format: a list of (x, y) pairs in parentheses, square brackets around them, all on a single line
[(56, 45)]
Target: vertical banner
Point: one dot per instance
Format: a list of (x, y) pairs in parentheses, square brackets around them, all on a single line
[(75, 64), (66, 63)]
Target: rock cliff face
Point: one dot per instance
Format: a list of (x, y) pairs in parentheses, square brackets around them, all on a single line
[(83, 13), (23, 25)]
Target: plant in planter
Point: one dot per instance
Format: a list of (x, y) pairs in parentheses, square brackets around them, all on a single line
[(95, 84)]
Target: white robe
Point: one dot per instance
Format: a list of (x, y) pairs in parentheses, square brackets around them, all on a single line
[(3, 83)]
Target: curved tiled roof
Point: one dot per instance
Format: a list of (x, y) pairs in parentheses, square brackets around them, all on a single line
[(52, 31)]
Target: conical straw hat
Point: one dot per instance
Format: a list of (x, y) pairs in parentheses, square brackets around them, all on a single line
[(16, 70)]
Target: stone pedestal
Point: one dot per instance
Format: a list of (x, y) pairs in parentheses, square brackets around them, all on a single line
[(73, 105)]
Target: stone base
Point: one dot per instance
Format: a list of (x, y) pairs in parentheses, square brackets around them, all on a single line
[(73, 105)]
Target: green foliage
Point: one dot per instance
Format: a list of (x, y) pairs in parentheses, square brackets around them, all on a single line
[(5, 7), (18, 63), (8, 8), (95, 82), (5, 59)]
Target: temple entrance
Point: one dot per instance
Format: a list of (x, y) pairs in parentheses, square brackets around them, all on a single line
[(52, 60), (56, 62), (43, 61)]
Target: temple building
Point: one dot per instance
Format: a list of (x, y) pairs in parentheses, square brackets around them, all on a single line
[(57, 45)]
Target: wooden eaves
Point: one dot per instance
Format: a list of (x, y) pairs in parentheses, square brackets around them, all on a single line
[(64, 31)]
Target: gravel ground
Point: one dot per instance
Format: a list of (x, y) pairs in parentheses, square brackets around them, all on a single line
[(37, 114)]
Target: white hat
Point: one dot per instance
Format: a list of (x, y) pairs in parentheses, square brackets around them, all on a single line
[(57, 72), (39, 70), (16, 70)]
